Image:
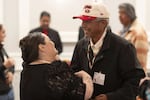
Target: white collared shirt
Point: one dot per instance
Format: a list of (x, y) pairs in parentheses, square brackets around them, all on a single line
[(97, 46)]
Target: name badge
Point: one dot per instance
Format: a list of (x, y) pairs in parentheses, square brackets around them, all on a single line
[(99, 78)]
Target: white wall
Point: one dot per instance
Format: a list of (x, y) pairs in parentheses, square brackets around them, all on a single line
[(1, 11), (61, 11), (147, 8), (24, 17), (10, 21)]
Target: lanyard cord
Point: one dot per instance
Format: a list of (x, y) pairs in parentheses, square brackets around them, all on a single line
[(91, 62)]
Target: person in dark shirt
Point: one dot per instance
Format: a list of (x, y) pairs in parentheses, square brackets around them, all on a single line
[(45, 19), (6, 70), (45, 77)]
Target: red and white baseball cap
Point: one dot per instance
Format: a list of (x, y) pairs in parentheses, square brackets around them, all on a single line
[(93, 11)]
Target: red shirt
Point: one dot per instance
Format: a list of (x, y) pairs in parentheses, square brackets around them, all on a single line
[(45, 31)]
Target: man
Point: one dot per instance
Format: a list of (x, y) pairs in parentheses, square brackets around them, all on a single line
[(45, 19), (134, 32), (110, 60)]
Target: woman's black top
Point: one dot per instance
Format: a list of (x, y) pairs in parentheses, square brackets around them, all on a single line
[(53, 81)]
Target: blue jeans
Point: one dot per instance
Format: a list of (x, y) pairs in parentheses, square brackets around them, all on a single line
[(8, 96)]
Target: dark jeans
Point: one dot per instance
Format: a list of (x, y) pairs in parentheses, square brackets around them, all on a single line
[(8, 96)]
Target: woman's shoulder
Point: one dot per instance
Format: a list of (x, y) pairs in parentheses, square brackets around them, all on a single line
[(55, 66), (58, 67), (61, 80), (59, 63)]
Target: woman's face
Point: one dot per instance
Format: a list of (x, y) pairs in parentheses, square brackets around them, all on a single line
[(2, 35), (49, 47)]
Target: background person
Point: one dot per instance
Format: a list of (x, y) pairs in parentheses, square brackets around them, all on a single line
[(45, 19), (134, 32), (6, 70)]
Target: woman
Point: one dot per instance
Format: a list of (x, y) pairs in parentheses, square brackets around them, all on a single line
[(6, 70), (45, 77)]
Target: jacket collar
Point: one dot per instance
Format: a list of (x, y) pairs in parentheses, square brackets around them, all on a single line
[(106, 43)]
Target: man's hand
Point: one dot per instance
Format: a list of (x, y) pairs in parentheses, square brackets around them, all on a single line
[(9, 77), (101, 97), (8, 63)]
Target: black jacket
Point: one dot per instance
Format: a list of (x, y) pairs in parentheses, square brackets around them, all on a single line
[(4, 88), (81, 33), (53, 35), (53, 81), (118, 61)]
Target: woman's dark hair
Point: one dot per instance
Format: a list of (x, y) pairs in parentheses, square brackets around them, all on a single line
[(29, 46), (45, 13)]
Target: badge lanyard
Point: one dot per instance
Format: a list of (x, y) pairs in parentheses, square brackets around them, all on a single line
[(88, 56)]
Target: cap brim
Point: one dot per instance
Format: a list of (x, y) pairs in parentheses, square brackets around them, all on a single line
[(84, 18)]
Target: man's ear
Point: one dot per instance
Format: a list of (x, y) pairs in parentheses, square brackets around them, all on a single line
[(41, 47)]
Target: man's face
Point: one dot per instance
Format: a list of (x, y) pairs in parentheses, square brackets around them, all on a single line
[(92, 28), (44, 22), (124, 19)]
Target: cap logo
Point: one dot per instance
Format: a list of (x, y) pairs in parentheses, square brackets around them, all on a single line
[(87, 8)]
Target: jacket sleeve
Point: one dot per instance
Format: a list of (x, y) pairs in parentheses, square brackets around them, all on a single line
[(141, 45), (131, 72), (2, 68), (12, 68), (75, 62)]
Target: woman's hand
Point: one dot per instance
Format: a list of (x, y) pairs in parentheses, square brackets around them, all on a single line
[(87, 80)]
